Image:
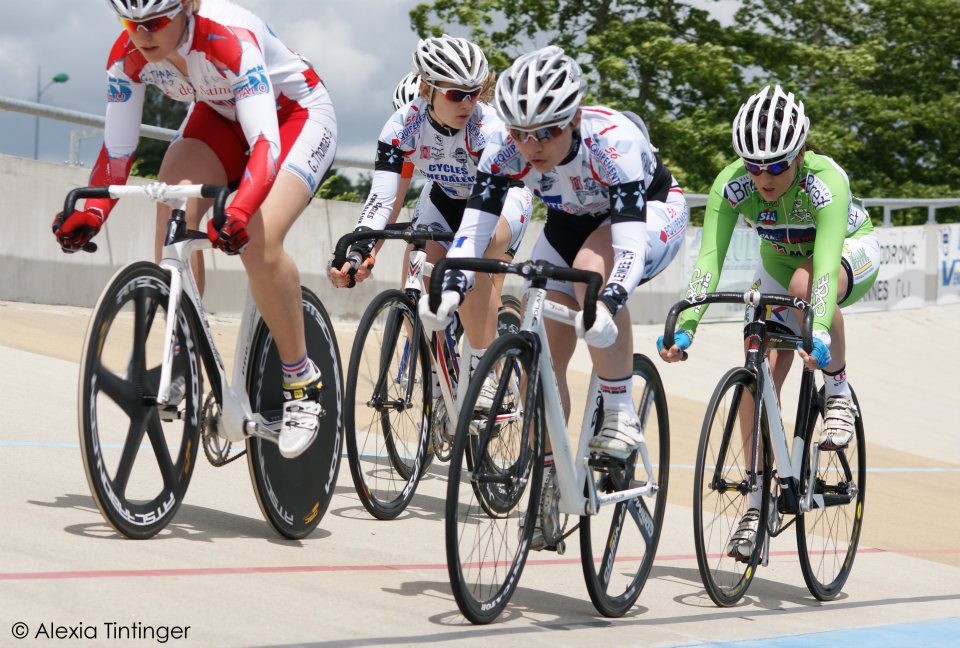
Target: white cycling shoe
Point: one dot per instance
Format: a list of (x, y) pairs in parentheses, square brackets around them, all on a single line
[(619, 435), (301, 416), (838, 423)]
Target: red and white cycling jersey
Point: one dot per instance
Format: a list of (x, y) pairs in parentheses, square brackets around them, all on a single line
[(239, 68)]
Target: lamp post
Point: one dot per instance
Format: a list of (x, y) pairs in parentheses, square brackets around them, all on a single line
[(59, 78)]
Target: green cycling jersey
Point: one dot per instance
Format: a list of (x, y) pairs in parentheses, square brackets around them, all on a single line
[(812, 218)]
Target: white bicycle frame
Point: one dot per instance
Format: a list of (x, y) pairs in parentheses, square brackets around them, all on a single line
[(417, 267), (237, 417), (573, 471), (787, 459)]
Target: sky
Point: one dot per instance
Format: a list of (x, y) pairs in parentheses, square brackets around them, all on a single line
[(360, 48)]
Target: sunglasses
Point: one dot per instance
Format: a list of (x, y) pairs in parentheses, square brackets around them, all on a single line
[(151, 25), (544, 134), (456, 96), (774, 168)]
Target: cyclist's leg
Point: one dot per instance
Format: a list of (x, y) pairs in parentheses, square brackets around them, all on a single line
[(209, 149)]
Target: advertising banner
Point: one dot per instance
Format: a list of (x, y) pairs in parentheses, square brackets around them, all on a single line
[(948, 264), (901, 282)]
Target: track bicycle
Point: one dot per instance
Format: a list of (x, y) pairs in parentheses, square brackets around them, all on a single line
[(820, 491), (396, 424), (142, 415), (494, 497)]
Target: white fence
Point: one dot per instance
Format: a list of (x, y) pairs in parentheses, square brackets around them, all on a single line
[(921, 264)]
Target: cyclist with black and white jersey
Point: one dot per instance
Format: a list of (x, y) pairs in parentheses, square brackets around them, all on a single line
[(260, 117), (612, 207), (816, 242), (443, 133)]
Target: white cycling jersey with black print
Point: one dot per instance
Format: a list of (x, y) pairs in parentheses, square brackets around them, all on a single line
[(446, 157), (611, 169)]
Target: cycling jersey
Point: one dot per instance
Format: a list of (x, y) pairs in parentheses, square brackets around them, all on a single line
[(236, 66), (445, 156), (611, 171), (813, 218)]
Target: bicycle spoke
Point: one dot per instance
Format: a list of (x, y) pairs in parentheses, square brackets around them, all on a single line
[(160, 449), (131, 447), (122, 392)]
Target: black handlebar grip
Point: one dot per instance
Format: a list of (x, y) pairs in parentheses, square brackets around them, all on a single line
[(219, 193), (436, 284), (70, 204)]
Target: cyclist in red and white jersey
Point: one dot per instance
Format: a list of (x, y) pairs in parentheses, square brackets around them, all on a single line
[(260, 117), (612, 207), (443, 133)]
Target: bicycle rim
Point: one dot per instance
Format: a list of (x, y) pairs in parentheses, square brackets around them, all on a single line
[(719, 502), (828, 534), (618, 545), (138, 464), (388, 406), (491, 509)]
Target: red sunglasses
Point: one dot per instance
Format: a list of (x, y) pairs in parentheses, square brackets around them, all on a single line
[(151, 25), (456, 96)]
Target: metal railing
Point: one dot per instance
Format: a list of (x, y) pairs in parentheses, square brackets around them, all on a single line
[(889, 205)]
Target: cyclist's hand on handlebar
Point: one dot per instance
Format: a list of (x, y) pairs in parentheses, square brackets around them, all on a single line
[(76, 230), (232, 237), (820, 356), (351, 272), (449, 302), (603, 333), (366, 268), (681, 342)]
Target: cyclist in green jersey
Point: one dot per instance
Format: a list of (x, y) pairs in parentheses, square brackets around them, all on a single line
[(816, 242)]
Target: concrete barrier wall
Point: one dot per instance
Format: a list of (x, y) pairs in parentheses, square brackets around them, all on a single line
[(35, 270)]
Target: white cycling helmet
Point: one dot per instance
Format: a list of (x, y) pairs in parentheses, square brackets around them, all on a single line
[(407, 90), (452, 60), (140, 9), (542, 88), (770, 127)]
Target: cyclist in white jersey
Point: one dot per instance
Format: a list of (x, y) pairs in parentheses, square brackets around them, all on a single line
[(260, 117), (443, 133), (612, 207)]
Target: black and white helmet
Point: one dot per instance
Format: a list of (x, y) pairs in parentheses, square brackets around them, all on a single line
[(452, 60), (407, 90), (140, 9), (542, 88), (770, 127)]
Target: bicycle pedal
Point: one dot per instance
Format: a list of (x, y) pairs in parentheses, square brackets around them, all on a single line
[(169, 413)]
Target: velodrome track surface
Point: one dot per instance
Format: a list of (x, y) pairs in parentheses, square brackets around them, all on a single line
[(219, 569)]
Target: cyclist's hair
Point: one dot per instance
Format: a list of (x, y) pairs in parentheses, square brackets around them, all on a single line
[(770, 126)]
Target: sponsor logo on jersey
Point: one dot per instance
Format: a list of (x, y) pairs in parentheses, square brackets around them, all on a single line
[(460, 156), (424, 152), (606, 159), (790, 235), (767, 217), (460, 241), (576, 183), (547, 180), (410, 129), (673, 229), (820, 296), (253, 82), (859, 261), (801, 216), (794, 253), (509, 153), (118, 90), (738, 190), (820, 195)]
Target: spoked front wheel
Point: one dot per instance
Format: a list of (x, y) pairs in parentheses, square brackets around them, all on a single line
[(387, 405), (294, 493), (138, 456), (618, 545), (723, 477), (828, 534), (492, 504)]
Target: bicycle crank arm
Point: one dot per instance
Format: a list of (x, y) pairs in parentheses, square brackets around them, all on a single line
[(260, 427)]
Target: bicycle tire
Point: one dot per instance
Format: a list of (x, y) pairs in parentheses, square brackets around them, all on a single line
[(387, 453), (121, 361), (486, 552), (294, 494), (612, 582), (827, 538), (718, 504)]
